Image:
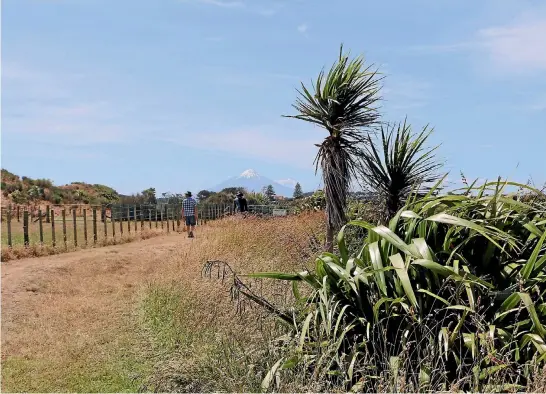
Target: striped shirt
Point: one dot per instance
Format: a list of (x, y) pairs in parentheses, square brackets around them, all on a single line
[(189, 206)]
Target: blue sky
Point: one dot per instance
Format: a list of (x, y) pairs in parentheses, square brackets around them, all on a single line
[(182, 94)]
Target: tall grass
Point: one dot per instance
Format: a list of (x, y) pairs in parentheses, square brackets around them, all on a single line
[(203, 340)]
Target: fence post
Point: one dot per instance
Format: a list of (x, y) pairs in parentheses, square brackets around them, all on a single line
[(155, 210), (120, 223), (150, 217), (85, 225), (25, 228), (47, 214), (41, 226), (94, 226), (74, 212), (52, 217), (64, 228), (136, 219), (161, 213), (167, 214), (177, 220), (141, 218), (112, 218), (103, 214), (129, 220), (18, 214), (9, 226)]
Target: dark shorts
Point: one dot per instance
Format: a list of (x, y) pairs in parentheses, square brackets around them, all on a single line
[(190, 220)]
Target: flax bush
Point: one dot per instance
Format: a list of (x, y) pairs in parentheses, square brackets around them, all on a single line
[(450, 295)]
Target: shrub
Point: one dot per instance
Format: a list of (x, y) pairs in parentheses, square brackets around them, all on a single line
[(453, 291), (254, 198), (27, 180), (8, 176), (19, 197), (11, 187), (56, 199), (35, 193), (43, 183)]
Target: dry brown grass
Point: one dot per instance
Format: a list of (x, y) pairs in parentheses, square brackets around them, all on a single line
[(74, 322), (41, 250)]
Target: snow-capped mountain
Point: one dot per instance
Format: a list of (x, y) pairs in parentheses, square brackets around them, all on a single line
[(287, 182), (252, 181), (249, 174)]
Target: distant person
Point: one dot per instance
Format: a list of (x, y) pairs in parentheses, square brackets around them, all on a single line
[(240, 204), (189, 211)]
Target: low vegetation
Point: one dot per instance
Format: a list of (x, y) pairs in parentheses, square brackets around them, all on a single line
[(25, 190), (28, 191)]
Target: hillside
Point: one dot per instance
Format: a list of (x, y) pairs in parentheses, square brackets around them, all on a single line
[(25, 190)]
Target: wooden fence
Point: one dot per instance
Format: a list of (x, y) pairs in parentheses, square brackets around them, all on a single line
[(84, 225)]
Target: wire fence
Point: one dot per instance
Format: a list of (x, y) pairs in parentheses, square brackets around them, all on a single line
[(85, 225)]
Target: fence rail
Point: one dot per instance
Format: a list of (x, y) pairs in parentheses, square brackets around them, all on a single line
[(64, 225)]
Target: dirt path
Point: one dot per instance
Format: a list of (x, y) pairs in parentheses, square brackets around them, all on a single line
[(17, 273), (72, 310), (23, 279)]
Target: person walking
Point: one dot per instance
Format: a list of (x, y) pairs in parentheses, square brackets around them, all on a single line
[(240, 204), (189, 211)]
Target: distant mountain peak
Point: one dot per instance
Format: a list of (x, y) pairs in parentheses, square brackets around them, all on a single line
[(250, 173), (252, 181)]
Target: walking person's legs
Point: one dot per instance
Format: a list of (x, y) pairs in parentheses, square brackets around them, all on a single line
[(190, 225)]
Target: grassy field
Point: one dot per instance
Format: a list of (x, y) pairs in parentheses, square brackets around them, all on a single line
[(140, 316)]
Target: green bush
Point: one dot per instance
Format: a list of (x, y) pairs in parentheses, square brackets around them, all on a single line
[(453, 291), (315, 202), (56, 199), (19, 197)]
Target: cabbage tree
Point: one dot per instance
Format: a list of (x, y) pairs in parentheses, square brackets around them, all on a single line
[(343, 103)]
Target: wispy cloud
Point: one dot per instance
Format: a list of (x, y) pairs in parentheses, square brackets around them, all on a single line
[(405, 92), (303, 28), (44, 106), (539, 104), (270, 9), (515, 48), (444, 48), (249, 79), (267, 11), (261, 143)]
